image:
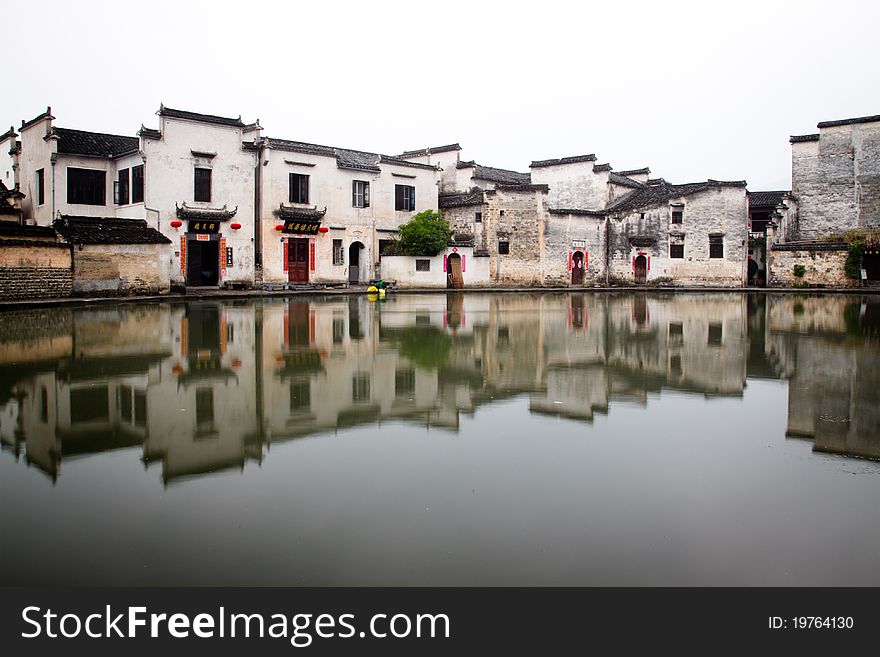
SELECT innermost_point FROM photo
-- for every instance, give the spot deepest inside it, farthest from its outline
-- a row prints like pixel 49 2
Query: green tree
pixel 426 234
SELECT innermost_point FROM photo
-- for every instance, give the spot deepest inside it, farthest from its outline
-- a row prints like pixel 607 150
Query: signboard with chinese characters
pixel 578 244
pixel 203 226
pixel 301 227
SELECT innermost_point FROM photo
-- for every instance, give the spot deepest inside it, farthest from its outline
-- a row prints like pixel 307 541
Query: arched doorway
pixel 354 262
pixel 454 278
pixel 577 268
pixel 641 267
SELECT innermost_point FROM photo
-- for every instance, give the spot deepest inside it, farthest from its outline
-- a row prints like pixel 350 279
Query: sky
pixel 694 90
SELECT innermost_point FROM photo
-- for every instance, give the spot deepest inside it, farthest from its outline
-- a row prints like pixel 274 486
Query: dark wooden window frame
pixel 404 198
pixel 676 250
pixel 41 186
pixel 137 184
pixel 503 247
pixel 86 186
pixel 299 188
pixel 202 184
pixel 360 194
pixel 716 246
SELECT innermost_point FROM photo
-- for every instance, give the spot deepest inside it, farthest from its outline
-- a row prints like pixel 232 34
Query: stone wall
pixel 823 264
pixel 109 269
pixel 836 179
pixel 721 210
pixel 565 234
pixel 517 216
pixel 34 271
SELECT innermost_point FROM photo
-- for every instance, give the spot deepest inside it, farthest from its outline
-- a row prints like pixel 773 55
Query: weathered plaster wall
pixel 169 181
pixel 566 233
pixel 823 264
pixel 36 153
pixel 650 231
pixel 837 180
pixel 120 269
pixel 517 216
pixel 402 269
pixel 573 186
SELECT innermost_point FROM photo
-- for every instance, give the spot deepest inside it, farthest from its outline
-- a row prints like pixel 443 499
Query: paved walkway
pixel 203 293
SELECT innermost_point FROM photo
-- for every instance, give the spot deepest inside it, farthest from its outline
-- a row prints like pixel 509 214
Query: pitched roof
pixel 185 211
pixel 574 159
pixel 6 193
pixel 473 197
pixel 14 229
pixel 149 133
pixel 766 199
pixel 203 118
pixel 431 150
pixel 107 230
pixel 635 172
pixel 620 179
pixel 578 211
pixel 496 175
pixel 861 119
pixel 601 167
pixel 39 117
pixel 660 192
pixel 9 133
pixel 795 139
pixel 346 158
pixel 81 142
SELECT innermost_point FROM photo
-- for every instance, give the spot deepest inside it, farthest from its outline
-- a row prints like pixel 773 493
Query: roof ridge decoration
pixel 394 160
pixel 573 159
pixel 185 211
pixel 578 211
pixel 39 117
pixel 202 118
pixel 149 133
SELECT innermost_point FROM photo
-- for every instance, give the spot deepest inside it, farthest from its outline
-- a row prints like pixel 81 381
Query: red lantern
pixel 323 229
pixel 235 226
pixel 177 223
pixel 279 227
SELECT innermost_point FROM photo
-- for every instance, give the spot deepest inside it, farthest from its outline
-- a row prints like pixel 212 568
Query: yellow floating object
pixel 372 289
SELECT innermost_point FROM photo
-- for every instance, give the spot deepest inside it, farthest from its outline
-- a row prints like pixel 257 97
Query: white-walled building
pixel 326 212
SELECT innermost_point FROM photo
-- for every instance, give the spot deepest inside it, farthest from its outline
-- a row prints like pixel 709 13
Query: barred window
pixel 423 265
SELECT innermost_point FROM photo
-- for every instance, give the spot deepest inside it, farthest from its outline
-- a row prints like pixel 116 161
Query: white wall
pixel 402 269
pixel 573 186
pixel 169 180
pixel 330 187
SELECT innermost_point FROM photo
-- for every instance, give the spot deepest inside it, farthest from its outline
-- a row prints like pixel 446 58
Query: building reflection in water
pixel 206 386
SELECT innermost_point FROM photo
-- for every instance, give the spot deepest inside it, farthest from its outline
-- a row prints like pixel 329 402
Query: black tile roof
pixel 431 150
pixel 620 179
pixel 38 243
pixel 661 192
pixel 185 211
pixel 6 193
pixel 80 142
pixel 766 199
pixel 496 175
pixel 795 139
pixel 304 214
pixel 589 213
pixel 149 133
pixel 574 159
pixel 597 168
pixel 14 229
pixel 473 197
pixel 861 119
pixel 9 133
pixel 203 118
pixel 107 230
pixel 346 158
pixel 396 161
pixel 635 172
pixel 39 117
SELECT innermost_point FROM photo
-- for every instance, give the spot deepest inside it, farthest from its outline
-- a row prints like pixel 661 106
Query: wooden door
pixel 298 261
pixel 641 269
pixel 455 280
pixel 577 268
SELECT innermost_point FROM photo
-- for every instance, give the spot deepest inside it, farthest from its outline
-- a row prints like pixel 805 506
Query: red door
pixel 298 261
pixel 641 267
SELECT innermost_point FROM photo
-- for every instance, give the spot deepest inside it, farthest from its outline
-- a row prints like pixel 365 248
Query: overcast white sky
pixel 692 89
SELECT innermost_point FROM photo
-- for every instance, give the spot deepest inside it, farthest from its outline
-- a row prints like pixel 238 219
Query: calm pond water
pixel 556 439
